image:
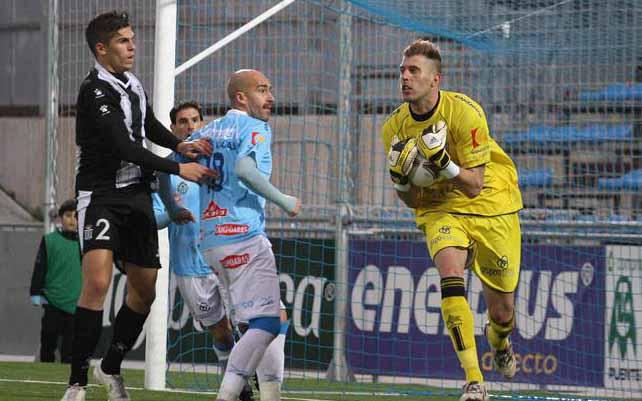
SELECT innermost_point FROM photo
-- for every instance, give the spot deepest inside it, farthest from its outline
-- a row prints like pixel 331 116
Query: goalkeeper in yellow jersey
pixel 469 214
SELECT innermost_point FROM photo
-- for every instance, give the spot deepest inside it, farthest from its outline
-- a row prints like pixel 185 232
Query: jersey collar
pixel 109 77
pixel 237 111
pixel 426 116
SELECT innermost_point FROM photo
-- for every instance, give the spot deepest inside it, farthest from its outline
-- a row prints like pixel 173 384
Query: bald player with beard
pixel 234 241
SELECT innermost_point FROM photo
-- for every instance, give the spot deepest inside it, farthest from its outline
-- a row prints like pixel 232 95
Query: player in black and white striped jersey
pixel 113 186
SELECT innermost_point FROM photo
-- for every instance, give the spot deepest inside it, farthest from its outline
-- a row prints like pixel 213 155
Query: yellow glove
pixel 432 145
pixel 400 159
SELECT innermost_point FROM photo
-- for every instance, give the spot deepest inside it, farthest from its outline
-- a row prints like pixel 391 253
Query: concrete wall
pixel 22 160
pixel 18 318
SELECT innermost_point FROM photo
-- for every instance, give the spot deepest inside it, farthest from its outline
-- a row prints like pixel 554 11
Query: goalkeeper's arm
pixel 470 180
pixel 247 172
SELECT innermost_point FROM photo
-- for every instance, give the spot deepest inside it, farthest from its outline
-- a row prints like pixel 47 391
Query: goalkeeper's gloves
pixel 432 145
pixel 401 156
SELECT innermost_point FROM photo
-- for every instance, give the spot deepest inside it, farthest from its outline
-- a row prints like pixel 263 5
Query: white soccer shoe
pixel 74 393
pixel 474 391
pixel 113 383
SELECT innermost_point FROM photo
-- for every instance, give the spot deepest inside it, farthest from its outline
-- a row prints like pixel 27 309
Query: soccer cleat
pixel 74 392
pixel 246 394
pixel 474 391
pixel 503 360
pixel 113 383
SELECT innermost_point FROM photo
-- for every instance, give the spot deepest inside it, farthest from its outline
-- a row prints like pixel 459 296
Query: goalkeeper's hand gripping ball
pixel 432 146
pixel 401 157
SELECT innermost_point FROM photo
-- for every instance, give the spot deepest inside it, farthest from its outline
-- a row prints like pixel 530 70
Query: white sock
pixel 242 363
pixel 270 391
pixel 270 370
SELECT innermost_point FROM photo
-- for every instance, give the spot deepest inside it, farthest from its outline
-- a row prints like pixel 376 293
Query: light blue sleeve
pixel 256 140
pixel 256 181
pixel 160 212
pixel 165 195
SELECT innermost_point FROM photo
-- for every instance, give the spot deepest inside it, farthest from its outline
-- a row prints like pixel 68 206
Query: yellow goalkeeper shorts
pixel 494 244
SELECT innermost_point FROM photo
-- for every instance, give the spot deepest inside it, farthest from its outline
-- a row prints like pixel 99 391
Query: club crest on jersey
pixel 182 188
pixel 231 229
pixel 88 233
pixel 234 261
pixel 104 110
pixel 213 211
pixel 257 138
pixel 98 93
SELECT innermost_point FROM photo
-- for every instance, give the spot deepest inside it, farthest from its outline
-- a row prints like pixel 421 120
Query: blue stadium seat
pixel 543 134
pixel 588 218
pixel 629 181
pixel 614 92
pixel 536 178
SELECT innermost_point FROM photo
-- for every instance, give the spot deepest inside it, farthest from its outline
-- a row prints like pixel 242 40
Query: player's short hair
pixel 190 104
pixel 67 206
pixel 423 47
pixel 104 26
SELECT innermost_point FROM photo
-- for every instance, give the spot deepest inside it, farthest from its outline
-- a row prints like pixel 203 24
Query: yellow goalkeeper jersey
pixel 469 145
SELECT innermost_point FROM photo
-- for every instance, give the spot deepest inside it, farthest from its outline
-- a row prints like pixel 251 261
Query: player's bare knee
pixel 502 315
pixel 96 286
pixel 141 301
pixel 147 297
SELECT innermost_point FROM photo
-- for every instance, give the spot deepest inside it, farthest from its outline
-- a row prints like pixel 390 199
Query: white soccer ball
pixel 423 173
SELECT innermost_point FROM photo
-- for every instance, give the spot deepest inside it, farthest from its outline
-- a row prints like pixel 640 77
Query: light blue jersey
pixel 185 258
pixel 230 212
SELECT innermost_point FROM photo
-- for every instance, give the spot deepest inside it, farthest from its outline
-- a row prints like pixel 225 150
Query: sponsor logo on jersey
pixel 473 137
pixel 231 229
pixel 214 211
pixel 224 143
pixel 234 261
pixel 257 138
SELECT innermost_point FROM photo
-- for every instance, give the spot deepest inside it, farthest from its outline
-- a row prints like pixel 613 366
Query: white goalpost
pixel 164 56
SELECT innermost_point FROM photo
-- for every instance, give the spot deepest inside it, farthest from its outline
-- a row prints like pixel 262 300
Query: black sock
pixel 127 327
pixel 88 325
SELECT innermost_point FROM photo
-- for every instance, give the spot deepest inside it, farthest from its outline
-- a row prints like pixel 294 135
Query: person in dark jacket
pixel 55 284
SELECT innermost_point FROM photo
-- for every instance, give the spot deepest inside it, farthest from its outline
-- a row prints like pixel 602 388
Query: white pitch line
pixel 27 381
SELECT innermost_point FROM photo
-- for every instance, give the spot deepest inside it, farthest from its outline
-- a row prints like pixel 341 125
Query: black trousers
pixel 56 323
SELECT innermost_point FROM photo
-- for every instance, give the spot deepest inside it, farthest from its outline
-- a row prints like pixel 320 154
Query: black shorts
pixel 126 226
